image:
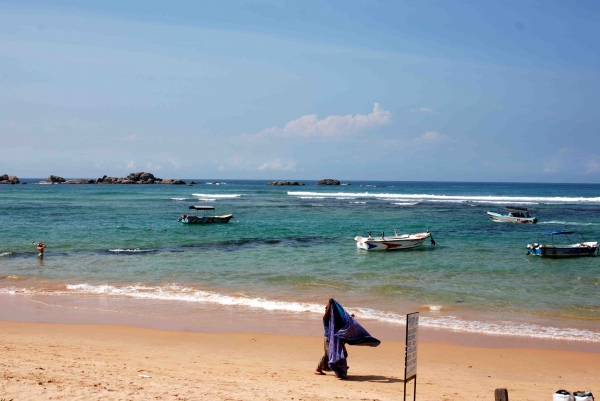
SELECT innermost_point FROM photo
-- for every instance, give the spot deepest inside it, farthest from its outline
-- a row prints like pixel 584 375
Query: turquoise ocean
pixel 290 248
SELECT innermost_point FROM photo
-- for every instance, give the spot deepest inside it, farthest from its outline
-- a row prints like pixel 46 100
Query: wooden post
pixel 501 394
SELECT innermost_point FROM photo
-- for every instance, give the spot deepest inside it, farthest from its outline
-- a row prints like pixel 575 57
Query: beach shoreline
pixel 210 318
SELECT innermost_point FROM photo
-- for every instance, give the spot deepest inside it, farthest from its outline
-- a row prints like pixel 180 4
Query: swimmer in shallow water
pixel 40 248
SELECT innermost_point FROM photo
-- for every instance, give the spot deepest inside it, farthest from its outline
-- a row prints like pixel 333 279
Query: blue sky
pixel 419 90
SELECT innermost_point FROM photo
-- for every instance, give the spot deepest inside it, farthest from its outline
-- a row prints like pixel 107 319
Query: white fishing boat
pixel 584 248
pixel 515 215
pixel 204 219
pixel 395 242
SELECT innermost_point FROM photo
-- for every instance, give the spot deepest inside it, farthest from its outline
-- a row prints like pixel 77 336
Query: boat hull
pixel 509 219
pixel 394 243
pixel 563 251
pixel 206 219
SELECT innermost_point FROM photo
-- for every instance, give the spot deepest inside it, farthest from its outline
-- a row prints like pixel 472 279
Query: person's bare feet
pixel 319 372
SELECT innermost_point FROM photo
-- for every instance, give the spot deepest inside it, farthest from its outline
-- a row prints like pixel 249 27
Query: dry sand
pixel 99 362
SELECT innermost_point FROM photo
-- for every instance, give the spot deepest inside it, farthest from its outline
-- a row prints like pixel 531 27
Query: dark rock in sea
pixel 141 176
pixel 9 179
pixel 191 182
pixel 279 183
pixel 55 178
pixel 328 181
pixel 166 181
pixel 178 182
pixel 81 181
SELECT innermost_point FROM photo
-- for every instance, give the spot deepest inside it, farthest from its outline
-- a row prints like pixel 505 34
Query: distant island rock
pixel 328 181
pixel 55 179
pixel 140 177
pixel 133 178
pixel 279 183
pixel 9 179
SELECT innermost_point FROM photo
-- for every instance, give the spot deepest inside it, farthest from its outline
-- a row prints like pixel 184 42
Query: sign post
pixel 410 359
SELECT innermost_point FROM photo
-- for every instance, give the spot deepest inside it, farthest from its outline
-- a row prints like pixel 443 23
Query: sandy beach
pixel 88 362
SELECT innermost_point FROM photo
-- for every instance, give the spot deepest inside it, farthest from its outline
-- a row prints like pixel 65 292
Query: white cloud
pixel 431 137
pixel 334 125
pixel 152 167
pixel 279 165
pixel 129 164
pixel 593 165
pixel 18 127
pixel 556 162
pixel 129 138
pixel 174 163
pixel 422 110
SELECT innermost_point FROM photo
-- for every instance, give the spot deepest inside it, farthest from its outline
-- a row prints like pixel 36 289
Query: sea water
pixel 290 248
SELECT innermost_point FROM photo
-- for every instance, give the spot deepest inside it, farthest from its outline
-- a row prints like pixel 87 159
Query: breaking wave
pixel 5 254
pixel 217 195
pixel 135 250
pixel 185 294
pixel 493 199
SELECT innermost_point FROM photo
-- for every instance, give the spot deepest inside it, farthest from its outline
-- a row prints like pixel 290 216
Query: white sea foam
pixel 5 253
pixel 494 199
pixel 179 199
pixel 217 195
pixel 359 203
pixel 207 200
pixel 435 308
pixel 135 250
pixel 571 223
pixel 405 203
pixel 186 294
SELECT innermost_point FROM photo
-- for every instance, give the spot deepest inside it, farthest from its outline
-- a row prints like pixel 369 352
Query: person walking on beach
pixel 324 362
pixel 40 248
pixel 340 329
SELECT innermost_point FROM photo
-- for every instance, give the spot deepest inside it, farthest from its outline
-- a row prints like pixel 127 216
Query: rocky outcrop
pixel 279 183
pixel 55 179
pixel 133 178
pixel 328 181
pixel 9 179
pixel 81 181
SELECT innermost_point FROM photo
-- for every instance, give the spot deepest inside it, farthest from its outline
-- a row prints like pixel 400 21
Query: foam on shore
pixel 179 293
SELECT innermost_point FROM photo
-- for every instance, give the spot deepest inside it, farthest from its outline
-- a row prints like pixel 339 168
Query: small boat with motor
pixel 560 251
pixel 515 215
pixel 204 219
pixel 396 242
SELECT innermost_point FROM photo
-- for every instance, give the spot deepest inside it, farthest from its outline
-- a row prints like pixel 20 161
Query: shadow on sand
pixel 374 379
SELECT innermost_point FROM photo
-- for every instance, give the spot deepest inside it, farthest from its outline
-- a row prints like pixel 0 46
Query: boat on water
pixel 395 242
pixel 515 215
pixel 204 219
pixel 560 251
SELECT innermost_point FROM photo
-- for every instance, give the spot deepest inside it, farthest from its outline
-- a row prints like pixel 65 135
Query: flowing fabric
pixel 344 329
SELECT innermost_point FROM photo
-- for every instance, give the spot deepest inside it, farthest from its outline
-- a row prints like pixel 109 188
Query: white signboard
pixel 412 337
